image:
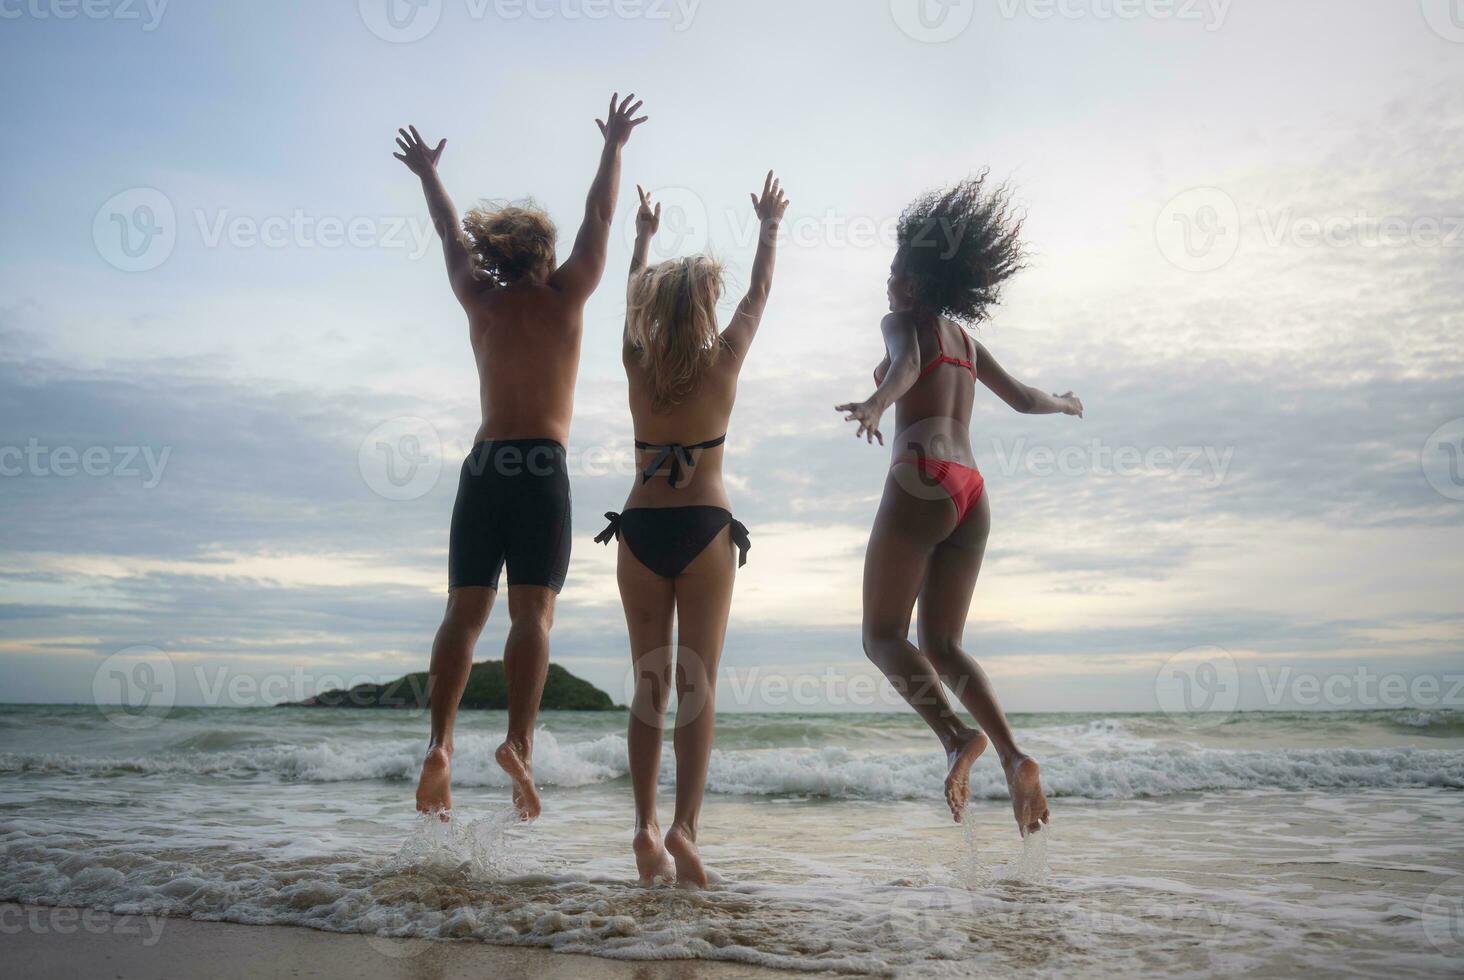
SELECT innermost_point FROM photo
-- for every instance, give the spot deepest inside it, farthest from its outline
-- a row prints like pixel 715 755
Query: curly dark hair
pixel 509 241
pixel 959 246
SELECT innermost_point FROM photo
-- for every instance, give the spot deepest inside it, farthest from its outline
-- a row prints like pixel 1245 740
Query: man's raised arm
pixel 581 272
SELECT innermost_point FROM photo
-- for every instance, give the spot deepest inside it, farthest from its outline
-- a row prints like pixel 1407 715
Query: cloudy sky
pixel 225 334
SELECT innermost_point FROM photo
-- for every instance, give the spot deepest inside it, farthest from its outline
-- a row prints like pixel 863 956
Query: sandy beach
pixel 40 941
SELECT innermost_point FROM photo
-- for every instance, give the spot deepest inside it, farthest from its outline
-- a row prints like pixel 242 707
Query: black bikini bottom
pixel 666 539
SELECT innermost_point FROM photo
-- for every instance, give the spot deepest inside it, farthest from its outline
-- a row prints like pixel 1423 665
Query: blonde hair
pixel 510 241
pixel 671 320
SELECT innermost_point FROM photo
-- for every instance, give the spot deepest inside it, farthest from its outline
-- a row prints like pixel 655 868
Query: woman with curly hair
pixel 680 547
pixel 956 250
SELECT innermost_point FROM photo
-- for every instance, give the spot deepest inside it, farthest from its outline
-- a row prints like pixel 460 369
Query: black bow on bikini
pixel 679 455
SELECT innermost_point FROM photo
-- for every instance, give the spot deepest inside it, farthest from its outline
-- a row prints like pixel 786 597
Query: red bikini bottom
pixel 964 484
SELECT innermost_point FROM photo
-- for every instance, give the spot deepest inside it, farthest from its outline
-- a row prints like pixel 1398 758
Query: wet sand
pixel 39 941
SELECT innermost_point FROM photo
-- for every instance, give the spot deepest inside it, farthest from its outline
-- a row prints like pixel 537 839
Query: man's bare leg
pixel 447 676
pixel 525 665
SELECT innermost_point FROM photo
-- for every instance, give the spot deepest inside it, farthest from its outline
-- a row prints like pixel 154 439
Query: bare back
pixel 702 415
pixel 526 341
pixel 936 411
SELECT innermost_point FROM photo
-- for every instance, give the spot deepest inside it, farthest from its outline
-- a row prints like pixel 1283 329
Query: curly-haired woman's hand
pixel 867 414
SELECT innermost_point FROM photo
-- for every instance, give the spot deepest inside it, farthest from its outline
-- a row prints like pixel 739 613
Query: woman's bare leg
pixel 650 603
pixel 703 603
pixel 945 601
pixel 447 676
pixel 905 534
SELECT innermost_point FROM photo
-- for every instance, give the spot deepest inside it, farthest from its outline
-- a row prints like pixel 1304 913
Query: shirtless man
pixel 525 319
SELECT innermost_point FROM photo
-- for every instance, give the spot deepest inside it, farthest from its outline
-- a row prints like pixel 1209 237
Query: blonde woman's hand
pixel 647 221
pixel 771 206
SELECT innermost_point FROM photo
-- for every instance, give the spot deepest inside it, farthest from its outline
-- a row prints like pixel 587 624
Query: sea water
pixel 1277 844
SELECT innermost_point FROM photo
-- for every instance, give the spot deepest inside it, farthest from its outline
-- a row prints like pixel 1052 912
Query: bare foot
pixel 1024 780
pixel 682 846
pixel 434 788
pixel 958 780
pixel 651 858
pixel 516 763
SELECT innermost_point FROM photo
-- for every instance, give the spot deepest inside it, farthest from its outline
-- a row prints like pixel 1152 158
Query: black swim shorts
pixel 512 505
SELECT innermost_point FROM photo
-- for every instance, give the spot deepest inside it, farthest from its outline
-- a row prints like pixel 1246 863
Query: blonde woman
pixel 680 547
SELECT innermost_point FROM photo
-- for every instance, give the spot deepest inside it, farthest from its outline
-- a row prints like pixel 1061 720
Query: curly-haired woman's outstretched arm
pixel 1022 397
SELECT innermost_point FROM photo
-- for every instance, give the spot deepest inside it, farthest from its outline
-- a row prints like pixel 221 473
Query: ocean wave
pixel 1102 773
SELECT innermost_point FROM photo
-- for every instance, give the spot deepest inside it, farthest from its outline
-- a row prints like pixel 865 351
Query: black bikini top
pixel 678 454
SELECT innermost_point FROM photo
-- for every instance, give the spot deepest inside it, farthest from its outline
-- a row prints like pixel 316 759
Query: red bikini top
pixel 944 358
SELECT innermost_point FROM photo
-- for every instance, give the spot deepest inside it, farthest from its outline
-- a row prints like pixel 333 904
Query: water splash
pixel 1031 866
pixel 484 847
